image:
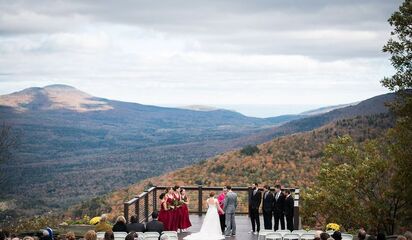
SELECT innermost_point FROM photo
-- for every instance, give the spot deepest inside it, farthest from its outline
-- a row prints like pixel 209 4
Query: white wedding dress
pixel 210 229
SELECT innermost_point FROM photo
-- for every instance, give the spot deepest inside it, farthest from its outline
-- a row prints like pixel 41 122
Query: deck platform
pixel 243 226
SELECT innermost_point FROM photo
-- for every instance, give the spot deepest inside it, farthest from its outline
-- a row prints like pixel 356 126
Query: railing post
pixel 126 211
pixel 249 197
pixel 146 206
pixel 137 209
pixel 155 199
pixel 200 200
pixel 296 209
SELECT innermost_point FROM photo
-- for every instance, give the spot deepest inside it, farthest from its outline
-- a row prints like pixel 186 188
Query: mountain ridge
pixel 64 152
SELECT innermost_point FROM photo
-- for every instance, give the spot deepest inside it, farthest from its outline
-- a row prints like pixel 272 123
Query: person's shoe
pixel 234 234
pixel 250 232
pixel 255 233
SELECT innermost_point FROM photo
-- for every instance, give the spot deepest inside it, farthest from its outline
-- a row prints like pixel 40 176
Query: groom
pixel 229 207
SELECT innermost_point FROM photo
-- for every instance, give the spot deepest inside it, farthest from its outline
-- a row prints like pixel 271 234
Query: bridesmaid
pixel 164 215
pixel 178 208
pixel 185 221
pixel 170 209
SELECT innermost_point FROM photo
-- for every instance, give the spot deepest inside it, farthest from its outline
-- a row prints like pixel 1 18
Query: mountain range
pixel 74 146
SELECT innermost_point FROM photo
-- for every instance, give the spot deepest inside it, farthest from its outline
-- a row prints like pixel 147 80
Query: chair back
pixel 283 232
pixel 151 234
pixel 346 236
pixel 170 234
pixel 100 235
pixel 263 233
pixel 151 238
pixel 300 232
pixel 119 235
pixel 291 236
pixel 273 236
pixel 308 236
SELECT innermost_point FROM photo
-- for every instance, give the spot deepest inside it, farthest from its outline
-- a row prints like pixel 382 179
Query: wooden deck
pixel 243 226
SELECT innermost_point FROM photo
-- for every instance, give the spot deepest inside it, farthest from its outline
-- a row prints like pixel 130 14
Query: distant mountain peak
pixel 60 86
pixel 53 97
pixel 326 109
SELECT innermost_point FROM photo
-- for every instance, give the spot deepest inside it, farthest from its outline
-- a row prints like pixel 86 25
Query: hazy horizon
pixel 250 110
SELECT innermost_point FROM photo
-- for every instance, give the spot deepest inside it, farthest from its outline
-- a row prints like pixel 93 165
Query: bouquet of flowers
pixel 94 220
pixel 332 227
pixel 177 203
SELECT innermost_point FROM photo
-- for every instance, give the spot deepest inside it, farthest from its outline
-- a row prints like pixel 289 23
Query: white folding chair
pixel 300 232
pixel 263 233
pixel 346 236
pixel 312 231
pixel 149 235
pixel 330 232
pixel 164 236
pixel 291 236
pixel 119 235
pixel 307 236
pixel 151 238
pixel 170 234
pixel 283 232
pixel 274 236
pixel 100 235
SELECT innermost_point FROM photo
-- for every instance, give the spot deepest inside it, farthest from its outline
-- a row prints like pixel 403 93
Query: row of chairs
pixel 172 235
pixel 295 234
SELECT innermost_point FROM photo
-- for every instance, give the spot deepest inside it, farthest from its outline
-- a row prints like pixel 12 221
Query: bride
pixel 210 229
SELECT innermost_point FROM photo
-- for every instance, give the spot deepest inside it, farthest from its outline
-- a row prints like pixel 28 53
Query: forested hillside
pixel 292 161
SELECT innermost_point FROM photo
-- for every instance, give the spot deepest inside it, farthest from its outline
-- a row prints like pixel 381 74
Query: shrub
pixel 249 150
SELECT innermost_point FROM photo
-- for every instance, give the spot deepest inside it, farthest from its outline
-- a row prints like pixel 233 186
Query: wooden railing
pixel 143 205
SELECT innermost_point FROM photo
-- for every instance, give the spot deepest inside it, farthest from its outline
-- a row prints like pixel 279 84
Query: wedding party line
pixel 277 207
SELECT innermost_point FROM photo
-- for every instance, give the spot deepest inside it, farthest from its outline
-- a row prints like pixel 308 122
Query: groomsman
pixel 279 208
pixel 289 207
pixel 254 204
pixel 267 207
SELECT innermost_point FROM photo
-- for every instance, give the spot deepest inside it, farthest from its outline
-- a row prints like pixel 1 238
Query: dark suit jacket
pixel 289 206
pixel 254 201
pixel 279 205
pixel 267 205
pixel 119 227
pixel 136 227
pixel 155 226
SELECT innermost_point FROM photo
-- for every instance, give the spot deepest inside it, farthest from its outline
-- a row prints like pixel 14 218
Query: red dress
pixel 185 221
pixel 177 214
pixel 164 215
pixel 171 216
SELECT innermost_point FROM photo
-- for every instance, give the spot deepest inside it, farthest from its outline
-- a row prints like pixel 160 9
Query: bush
pixel 249 150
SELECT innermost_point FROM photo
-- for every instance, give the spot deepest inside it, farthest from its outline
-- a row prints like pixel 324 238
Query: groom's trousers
pixel 230 224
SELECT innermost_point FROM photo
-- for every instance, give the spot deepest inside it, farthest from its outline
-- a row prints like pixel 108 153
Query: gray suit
pixel 229 206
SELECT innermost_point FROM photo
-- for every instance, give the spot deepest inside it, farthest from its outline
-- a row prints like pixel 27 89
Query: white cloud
pixel 251 55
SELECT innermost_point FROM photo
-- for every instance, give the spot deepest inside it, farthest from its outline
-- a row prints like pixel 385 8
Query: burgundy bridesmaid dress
pixel 185 221
pixel 164 216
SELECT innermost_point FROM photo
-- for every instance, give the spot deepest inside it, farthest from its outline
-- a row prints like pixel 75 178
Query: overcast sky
pixel 218 53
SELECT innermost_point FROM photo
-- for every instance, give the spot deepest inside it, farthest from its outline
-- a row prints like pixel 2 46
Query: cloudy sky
pixel 263 57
